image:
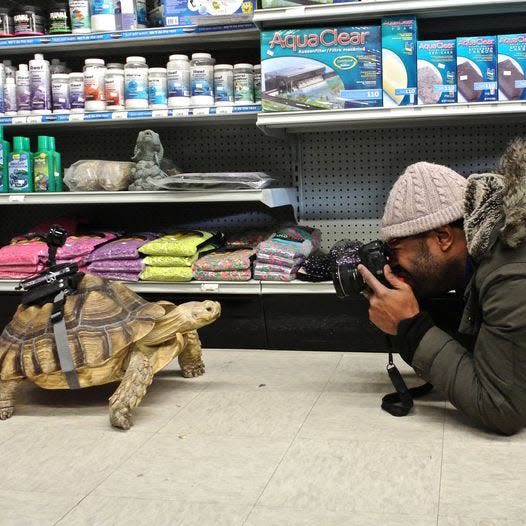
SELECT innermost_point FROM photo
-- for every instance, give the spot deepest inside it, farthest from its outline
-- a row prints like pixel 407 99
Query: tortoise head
pixel 196 314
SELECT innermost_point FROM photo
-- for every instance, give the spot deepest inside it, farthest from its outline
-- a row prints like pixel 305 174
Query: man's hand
pixel 388 307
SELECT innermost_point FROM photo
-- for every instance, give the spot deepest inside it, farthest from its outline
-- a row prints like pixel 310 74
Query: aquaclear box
pixel 207 12
pixel 437 71
pixel 321 68
pixel 399 48
pixel 477 69
pixel 512 67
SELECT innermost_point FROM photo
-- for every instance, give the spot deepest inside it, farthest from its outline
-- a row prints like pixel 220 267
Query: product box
pixel 207 12
pixel 437 71
pixel 270 4
pixel 321 68
pixel 399 48
pixel 477 69
pixel 512 66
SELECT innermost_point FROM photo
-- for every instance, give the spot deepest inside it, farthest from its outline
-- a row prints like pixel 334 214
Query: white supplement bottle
pixel 224 85
pixel 60 93
pixel 202 79
pixel 76 92
pixel 10 101
pixel 79 11
pixel 136 83
pixel 102 15
pixel 23 91
pixel 40 85
pixel 157 89
pixel 9 69
pixel 243 84
pixel 94 73
pixel 178 72
pixel 257 83
pixel 114 89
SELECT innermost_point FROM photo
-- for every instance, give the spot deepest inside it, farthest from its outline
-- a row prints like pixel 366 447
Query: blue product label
pixel 399 55
pixel 102 7
pixel 176 89
pixel 136 86
pixel 437 71
pixel 2 189
pixel 157 91
pixel 186 12
pixel 321 68
pixel 201 87
pixel 19 172
pixel 512 66
pixel 477 69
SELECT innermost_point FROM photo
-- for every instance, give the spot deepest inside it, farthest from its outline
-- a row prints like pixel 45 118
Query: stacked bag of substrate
pixel 119 259
pixel 280 256
pixel 170 258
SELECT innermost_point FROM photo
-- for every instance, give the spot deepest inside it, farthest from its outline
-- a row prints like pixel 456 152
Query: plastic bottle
pixel 224 85
pixel 76 92
pixel 102 15
pixel 23 91
pixel 10 70
pixel 7 26
pixel 4 160
pixel 136 83
pixel 94 73
pixel 126 15
pixel 10 104
pixel 29 20
pixel 202 79
pixel 157 89
pixel 20 166
pixel 57 165
pixel 40 85
pixel 142 14
pixel 178 72
pixel 114 89
pixel 58 22
pixel 243 84
pixel 257 83
pixel 79 13
pixel 2 85
pixel 44 175
pixel 60 93
pixel 57 66
pixel 115 65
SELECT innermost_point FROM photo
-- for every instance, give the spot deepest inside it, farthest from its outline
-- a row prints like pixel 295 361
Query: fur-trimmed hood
pixel 495 204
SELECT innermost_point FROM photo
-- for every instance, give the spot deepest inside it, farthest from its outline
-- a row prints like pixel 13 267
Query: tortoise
pixel 113 334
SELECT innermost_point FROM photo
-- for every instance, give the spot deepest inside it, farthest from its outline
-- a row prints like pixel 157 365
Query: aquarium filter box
pixel 207 12
pixel 321 68
pixel 512 67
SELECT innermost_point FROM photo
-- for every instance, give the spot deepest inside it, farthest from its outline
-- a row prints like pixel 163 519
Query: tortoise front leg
pixel 190 359
pixel 7 397
pixel 137 378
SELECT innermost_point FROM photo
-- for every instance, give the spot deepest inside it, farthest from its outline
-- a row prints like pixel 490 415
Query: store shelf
pixel 214 287
pixel 367 9
pixel 173 37
pixel 271 197
pixel 323 120
pixel 122 119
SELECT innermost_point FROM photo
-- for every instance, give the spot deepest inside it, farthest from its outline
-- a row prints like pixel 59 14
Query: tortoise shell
pixel 102 319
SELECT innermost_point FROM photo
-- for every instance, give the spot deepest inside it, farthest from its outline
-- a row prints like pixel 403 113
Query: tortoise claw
pixel 6 412
pixel 191 371
pixel 121 418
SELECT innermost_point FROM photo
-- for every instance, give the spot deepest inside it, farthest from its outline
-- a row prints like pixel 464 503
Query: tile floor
pixel 264 438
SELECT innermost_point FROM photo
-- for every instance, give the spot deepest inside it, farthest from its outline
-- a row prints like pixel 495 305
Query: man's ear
pixel 445 237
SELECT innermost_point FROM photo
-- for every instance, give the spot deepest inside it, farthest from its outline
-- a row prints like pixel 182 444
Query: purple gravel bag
pixel 123 248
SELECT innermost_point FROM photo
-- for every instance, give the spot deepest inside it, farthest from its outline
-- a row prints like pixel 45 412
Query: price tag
pixel 201 111
pixel 159 114
pixel 76 117
pixel 34 119
pixel 181 112
pixel 17 198
pixel 209 287
pixel 19 120
pixel 224 110
pixel 119 115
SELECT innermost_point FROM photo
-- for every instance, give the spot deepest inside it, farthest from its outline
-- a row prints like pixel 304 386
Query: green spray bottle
pixel 57 165
pixel 4 159
pixel 43 166
pixel 20 166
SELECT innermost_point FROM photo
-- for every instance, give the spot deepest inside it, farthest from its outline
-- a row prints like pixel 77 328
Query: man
pixel 433 254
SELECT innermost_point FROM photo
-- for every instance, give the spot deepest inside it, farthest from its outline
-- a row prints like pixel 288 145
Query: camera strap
pixel 401 402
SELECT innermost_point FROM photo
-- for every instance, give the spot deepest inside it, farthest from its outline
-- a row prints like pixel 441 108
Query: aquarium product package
pixel 207 12
pixel 321 68
pixel 399 52
pixel 270 4
pixel 512 66
pixel 477 69
pixel 437 71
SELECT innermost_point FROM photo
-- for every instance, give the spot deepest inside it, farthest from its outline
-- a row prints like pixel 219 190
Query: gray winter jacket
pixel 489 383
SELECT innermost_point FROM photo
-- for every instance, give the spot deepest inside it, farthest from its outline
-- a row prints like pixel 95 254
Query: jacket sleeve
pixel 489 384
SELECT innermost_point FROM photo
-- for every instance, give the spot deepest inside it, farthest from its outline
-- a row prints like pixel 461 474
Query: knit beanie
pixel 424 197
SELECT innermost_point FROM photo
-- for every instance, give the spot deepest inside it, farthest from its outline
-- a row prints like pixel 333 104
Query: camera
pixel 345 276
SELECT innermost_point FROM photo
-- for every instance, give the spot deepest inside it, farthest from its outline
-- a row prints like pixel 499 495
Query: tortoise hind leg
pixel 7 397
pixel 138 376
pixel 190 358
